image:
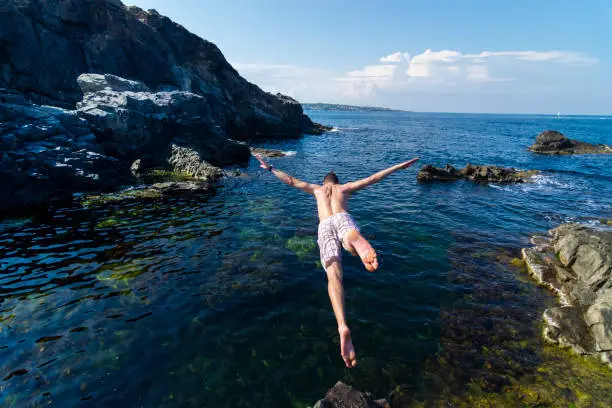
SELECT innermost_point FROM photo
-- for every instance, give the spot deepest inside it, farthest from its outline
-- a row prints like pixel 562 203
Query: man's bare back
pixel 338 229
pixel 331 199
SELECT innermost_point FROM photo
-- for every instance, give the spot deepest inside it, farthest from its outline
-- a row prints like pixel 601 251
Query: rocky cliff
pixel 46 44
pixel 91 89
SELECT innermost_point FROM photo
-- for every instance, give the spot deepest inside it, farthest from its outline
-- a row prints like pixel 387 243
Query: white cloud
pixel 563 57
pixel 395 57
pixel 373 71
pixel 430 72
pixel 477 73
pixel 430 56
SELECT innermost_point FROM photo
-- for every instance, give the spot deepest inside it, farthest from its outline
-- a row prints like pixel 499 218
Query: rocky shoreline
pixel 575 261
pixel 74 119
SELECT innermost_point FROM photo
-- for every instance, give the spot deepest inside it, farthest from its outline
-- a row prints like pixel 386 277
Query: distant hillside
pixel 336 107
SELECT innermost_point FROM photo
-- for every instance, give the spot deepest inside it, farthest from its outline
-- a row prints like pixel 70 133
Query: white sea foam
pixel 539 182
pixel 344 129
pixel 290 153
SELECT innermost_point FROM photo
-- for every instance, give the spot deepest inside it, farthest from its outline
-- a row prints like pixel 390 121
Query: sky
pixel 520 56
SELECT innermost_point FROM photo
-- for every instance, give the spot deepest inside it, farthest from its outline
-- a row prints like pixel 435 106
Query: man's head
pixel 331 178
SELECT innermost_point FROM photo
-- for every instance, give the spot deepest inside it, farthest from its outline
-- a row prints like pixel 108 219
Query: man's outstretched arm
pixel 286 178
pixel 375 178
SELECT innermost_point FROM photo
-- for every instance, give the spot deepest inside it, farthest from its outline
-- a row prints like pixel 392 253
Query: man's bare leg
pixel 356 244
pixel 336 295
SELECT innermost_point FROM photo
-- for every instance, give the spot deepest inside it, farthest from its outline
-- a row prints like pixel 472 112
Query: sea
pixel 220 300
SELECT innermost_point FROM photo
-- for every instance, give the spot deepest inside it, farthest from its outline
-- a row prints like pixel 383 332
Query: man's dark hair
pixel 331 178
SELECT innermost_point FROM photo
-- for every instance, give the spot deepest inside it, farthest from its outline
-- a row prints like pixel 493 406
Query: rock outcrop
pixel 344 396
pixel 554 142
pixel 576 263
pixel 46 45
pixel 133 123
pixel 270 153
pixel 49 153
pixel 475 173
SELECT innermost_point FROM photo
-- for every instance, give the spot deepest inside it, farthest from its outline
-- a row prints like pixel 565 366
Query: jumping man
pixel 337 228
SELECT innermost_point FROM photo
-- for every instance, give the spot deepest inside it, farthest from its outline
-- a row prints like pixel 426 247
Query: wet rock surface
pixel 344 396
pixel 554 142
pixel 577 264
pixel 483 173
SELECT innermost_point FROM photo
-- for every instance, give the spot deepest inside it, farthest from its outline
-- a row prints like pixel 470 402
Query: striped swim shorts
pixel 332 231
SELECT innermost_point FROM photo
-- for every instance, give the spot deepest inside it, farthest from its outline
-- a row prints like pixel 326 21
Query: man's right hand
pixel 409 163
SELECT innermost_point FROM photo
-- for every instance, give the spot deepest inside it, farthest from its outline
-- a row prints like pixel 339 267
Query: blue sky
pixel 535 56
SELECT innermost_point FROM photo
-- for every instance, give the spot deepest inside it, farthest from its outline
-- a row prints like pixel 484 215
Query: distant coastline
pixel 338 107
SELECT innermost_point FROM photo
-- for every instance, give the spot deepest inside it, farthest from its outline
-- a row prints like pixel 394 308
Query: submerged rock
pixel 344 396
pixel 554 142
pixel 577 265
pixel 474 173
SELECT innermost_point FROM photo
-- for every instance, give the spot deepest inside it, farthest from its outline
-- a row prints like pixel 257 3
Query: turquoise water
pixel 219 301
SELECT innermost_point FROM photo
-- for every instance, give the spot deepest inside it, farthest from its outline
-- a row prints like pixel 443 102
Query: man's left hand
pixel 262 164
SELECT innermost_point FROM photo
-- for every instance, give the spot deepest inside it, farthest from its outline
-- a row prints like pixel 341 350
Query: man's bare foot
pixel 359 246
pixel 347 350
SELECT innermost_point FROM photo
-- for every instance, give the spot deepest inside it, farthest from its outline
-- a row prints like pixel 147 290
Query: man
pixel 337 228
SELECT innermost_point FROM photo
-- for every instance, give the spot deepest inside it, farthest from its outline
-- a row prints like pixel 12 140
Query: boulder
pixel 344 396
pixel 577 265
pixel 554 142
pixel 474 173
pixel 46 45
pixel 189 162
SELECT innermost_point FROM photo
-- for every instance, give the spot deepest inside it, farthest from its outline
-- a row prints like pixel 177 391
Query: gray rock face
pixel 142 124
pixel 94 82
pixel 474 173
pixel 577 265
pixel 344 396
pixel 48 153
pixel 46 45
pixel 554 142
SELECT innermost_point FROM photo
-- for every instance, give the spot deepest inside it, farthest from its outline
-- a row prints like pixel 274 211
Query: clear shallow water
pixel 220 302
